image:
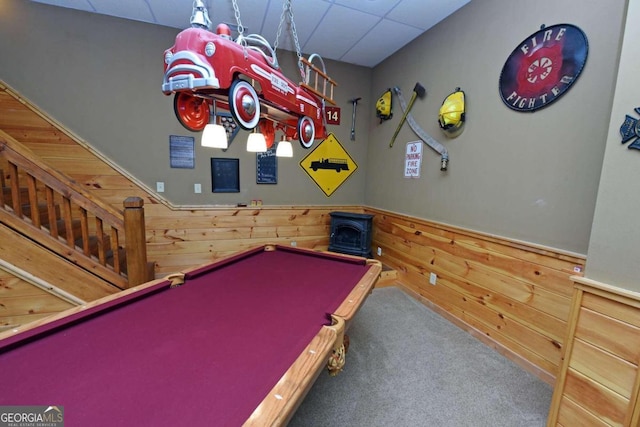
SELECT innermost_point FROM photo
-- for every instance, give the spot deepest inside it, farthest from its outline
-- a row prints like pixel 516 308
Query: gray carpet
pixel 408 366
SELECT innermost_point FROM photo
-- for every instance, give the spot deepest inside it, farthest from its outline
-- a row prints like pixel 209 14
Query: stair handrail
pixel 24 158
pixel 29 162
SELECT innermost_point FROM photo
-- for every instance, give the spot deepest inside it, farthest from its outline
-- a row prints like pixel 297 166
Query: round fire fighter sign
pixel 543 67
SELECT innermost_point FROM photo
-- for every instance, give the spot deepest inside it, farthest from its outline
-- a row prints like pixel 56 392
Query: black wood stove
pixel 351 233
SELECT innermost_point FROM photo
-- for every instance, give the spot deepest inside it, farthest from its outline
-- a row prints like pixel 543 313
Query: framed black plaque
pixel 181 152
pixel 225 175
pixel 267 167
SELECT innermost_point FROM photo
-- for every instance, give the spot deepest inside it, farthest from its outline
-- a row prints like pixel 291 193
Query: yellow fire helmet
pixel 383 106
pixel 452 114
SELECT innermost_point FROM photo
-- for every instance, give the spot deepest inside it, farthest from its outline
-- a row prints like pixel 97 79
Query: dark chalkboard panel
pixel 225 175
pixel 267 167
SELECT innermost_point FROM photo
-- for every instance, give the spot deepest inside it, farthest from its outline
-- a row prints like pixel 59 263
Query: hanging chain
pixel 286 7
pixel 282 18
pixel 295 40
pixel 236 11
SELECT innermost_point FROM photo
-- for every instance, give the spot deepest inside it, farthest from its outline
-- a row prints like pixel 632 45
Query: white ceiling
pixel 361 32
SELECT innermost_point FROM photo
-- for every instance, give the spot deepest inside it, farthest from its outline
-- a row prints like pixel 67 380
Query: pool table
pixel 239 341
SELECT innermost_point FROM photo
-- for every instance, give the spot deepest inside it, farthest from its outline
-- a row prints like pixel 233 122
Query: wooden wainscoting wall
pixel 513 296
pixel 24 302
pixel 599 381
pixel 180 238
pixel 26 255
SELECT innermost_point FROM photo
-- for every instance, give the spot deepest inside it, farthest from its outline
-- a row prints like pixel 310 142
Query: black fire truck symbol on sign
pixel 335 164
pixel 630 129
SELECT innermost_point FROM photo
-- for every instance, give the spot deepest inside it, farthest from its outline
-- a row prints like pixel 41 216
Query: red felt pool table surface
pixel 240 342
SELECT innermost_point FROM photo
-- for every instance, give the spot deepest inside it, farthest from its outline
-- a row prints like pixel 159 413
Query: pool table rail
pixel 279 405
pixel 348 309
pixel 277 408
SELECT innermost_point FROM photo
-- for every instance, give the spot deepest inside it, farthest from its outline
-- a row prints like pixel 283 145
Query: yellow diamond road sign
pixel 329 165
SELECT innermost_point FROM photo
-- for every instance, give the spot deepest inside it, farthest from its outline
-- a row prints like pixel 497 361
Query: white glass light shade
pixel 284 149
pixel 214 136
pixel 256 143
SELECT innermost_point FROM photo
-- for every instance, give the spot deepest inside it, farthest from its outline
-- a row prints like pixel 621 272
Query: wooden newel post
pixel 136 242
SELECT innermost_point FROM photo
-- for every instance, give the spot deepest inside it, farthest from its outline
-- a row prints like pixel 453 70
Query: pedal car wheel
pixel 244 104
pixel 192 112
pixel 306 131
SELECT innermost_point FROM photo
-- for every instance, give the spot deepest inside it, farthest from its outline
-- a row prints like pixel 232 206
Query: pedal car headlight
pixel 167 57
pixel 210 49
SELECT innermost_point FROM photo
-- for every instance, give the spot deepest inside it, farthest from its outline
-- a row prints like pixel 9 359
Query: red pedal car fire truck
pixel 211 70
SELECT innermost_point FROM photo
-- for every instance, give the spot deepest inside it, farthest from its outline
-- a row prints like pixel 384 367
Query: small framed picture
pixel 181 152
pixel 225 175
pixel 267 167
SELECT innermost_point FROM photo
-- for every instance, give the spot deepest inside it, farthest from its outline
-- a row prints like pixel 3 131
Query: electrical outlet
pixel 197 188
pixel 294 243
pixel 160 187
pixel 379 251
pixel 432 278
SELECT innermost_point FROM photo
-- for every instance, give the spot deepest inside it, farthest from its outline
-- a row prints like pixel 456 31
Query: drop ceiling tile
pixel 375 7
pixel 174 13
pixel 340 29
pixel 137 10
pixel 424 14
pixel 373 49
pixel 72 4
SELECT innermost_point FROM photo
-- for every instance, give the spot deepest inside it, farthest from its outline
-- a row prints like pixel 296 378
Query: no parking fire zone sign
pixel 413 159
pixel 329 165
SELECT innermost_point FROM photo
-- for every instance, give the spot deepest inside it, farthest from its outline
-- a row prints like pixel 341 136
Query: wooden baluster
pixel 68 221
pixel 33 201
pixel 115 251
pixel 136 246
pixel 3 198
pixel 102 257
pixel 15 189
pixel 51 211
pixel 84 226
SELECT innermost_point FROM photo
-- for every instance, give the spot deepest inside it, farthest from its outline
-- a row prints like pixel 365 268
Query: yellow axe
pixel 418 91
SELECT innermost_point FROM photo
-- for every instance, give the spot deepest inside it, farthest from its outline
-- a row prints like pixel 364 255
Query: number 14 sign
pixel 333 115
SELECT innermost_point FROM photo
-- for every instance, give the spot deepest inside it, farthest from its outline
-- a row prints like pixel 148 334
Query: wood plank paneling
pixel 21 302
pixel 596 399
pixel 600 376
pixel 517 296
pixel 609 334
pixel 604 367
pixel 573 414
pixel 28 256
pixel 612 308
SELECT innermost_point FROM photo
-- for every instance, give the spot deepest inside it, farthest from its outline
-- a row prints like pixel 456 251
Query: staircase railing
pixel 60 215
